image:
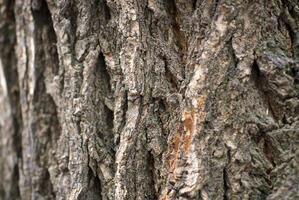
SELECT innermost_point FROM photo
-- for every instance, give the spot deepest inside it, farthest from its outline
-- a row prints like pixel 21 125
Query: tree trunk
pixel 149 99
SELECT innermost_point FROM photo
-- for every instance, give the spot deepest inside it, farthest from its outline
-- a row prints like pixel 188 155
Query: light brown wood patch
pixel 174 152
pixel 165 197
pixel 189 124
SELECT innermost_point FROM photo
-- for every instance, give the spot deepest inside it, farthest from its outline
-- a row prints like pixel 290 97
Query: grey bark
pixel 149 99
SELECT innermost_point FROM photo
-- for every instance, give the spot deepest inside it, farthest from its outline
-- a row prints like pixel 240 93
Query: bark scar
pixel 189 120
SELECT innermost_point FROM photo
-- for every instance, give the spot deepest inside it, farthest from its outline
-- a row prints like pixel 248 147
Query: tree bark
pixel 149 99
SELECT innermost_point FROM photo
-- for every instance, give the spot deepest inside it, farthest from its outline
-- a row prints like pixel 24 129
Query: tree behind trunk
pixel 149 99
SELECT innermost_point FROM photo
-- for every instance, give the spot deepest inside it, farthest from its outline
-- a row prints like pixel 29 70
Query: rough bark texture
pixel 149 99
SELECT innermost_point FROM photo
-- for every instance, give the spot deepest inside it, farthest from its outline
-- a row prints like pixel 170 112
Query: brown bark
pixel 149 99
